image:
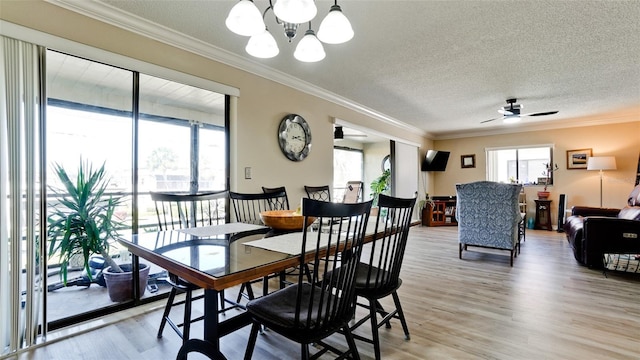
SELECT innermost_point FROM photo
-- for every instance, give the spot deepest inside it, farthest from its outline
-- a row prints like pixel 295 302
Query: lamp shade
pixel 295 11
pixel 601 163
pixel 245 19
pixel 335 28
pixel 309 48
pixel 262 45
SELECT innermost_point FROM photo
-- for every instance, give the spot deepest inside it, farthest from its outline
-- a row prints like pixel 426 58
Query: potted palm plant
pixel 83 223
pixel 380 185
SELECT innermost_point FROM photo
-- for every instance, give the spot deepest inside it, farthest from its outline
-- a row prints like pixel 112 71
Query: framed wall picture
pixel 577 159
pixel 468 161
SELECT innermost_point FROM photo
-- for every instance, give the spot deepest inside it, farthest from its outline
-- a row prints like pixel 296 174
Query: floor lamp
pixel 601 163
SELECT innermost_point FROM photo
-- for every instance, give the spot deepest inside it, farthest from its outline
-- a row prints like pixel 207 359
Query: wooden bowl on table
pixel 284 220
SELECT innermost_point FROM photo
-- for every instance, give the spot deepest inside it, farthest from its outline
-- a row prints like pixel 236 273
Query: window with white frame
pixel 524 165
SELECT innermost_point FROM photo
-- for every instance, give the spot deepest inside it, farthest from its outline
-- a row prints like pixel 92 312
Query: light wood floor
pixel 544 307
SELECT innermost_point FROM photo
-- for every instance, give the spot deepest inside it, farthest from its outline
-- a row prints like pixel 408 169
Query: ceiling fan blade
pixel 498 118
pixel 541 113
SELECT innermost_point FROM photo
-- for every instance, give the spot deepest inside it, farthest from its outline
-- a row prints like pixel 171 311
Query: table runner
pixel 222 229
pixel 291 243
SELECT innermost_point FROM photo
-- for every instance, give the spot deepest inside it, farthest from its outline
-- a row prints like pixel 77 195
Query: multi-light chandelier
pixel 245 19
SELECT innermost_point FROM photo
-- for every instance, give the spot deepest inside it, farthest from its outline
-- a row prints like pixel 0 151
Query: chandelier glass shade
pixel 309 48
pixel 262 45
pixel 295 11
pixel 335 28
pixel 245 19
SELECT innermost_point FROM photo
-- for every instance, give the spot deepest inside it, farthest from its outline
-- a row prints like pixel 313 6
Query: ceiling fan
pixel 511 112
pixel 338 133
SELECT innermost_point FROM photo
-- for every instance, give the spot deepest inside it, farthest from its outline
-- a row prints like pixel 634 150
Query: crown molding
pixel 138 25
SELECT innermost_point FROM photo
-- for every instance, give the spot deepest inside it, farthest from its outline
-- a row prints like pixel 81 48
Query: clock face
pixel 294 137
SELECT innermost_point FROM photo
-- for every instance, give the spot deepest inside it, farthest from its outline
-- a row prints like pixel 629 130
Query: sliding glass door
pixel 151 134
pixel 88 120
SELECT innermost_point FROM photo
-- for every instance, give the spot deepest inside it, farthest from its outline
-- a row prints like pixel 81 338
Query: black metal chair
pixel 378 275
pixel 281 202
pixel 309 311
pixel 247 208
pixel 353 192
pixel 200 347
pixel 322 193
pixel 179 211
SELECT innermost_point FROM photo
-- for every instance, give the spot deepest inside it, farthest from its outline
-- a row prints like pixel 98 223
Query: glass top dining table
pixel 218 257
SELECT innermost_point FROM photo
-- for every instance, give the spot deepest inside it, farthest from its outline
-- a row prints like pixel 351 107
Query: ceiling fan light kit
pixel 245 19
pixel 511 113
pixel 511 119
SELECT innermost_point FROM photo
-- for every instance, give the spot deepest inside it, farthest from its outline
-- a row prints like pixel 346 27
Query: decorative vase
pixel 543 195
pixel 120 285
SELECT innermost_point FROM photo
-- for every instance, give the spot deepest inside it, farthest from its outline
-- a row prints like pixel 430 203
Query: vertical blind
pixel 20 254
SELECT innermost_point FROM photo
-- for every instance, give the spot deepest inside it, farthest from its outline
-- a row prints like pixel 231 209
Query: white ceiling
pixel 438 66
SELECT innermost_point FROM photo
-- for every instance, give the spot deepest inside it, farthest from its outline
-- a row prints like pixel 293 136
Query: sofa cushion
pixel 630 213
pixel 594 211
pixel 573 227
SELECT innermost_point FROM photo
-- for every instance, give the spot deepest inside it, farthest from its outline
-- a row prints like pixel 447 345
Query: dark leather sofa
pixel 593 232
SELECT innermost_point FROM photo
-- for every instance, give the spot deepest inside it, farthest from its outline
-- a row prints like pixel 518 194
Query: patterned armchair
pixel 488 216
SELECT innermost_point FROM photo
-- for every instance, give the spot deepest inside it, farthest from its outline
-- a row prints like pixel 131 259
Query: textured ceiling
pixel 443 66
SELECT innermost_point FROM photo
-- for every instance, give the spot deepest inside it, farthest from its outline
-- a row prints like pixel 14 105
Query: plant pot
pixel 120 285
pixel 374 211
pixel 543 195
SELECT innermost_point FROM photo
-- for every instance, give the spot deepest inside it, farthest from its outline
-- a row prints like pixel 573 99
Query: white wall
pixel 582 187
pixel 374 153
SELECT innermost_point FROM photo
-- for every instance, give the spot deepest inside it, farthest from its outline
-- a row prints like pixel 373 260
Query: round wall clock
pixel 386 163
pixel 294 137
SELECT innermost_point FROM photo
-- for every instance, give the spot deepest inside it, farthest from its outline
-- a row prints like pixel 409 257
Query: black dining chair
pixel 322 193
pixel 200 347
pixel 247 208
pixel 280 202
pixel 378 275
pixel 179 211
pixel 309 311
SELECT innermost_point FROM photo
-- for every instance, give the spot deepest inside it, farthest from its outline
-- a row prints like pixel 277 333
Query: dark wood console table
pixel 442 213
pixel 543 215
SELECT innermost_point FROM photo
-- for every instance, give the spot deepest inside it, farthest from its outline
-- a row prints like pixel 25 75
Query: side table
pixel 543 215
